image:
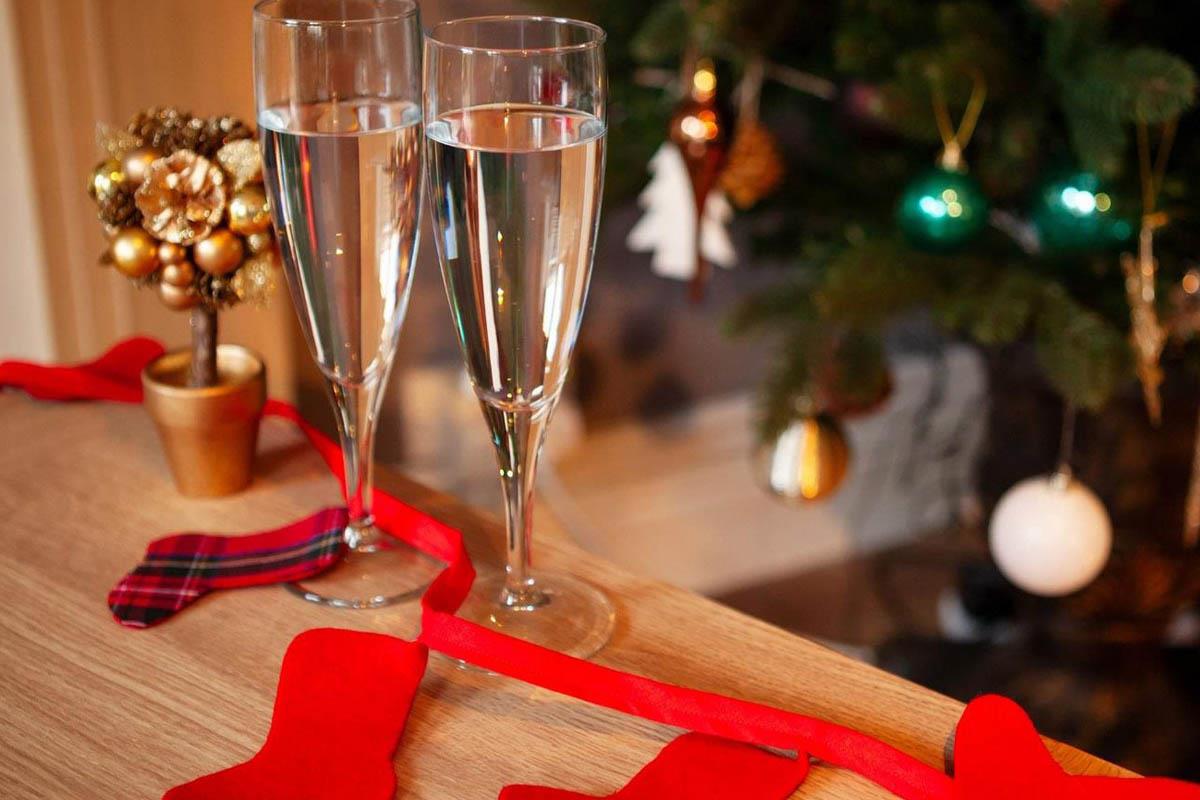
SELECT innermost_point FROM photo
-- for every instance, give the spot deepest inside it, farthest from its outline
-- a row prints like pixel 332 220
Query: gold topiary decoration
pixel 163 193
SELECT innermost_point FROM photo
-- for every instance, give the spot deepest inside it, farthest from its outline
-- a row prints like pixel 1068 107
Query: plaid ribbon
pixel 178 570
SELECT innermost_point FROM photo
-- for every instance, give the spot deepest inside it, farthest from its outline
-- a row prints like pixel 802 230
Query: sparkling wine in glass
pixel 515 134
pixel 339 120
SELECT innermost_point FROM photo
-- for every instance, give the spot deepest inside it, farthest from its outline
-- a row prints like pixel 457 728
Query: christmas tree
pixel 989 161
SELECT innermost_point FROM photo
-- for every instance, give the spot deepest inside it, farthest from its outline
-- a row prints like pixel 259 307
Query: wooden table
pixel 92 710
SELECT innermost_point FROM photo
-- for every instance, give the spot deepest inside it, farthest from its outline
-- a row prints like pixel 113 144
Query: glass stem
pixel 517 452
pixel 357 410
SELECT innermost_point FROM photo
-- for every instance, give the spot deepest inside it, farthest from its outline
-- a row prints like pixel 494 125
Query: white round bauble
pixel 1050 535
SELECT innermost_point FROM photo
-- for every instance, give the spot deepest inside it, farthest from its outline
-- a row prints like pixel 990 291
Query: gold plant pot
pixel 209 433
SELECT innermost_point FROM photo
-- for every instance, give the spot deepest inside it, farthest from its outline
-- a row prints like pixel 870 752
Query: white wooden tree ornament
pixel 668 225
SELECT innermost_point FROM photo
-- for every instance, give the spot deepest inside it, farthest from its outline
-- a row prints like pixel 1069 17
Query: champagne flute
pixel 338 96
pixel 515 132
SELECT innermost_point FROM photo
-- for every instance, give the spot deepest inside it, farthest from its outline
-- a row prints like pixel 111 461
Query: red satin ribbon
pixel 114 377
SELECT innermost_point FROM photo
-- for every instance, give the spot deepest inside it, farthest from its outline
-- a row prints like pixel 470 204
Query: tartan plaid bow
pixel 178 570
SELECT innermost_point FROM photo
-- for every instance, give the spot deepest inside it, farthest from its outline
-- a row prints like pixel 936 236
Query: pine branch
pixel 1084 356
pixel 1143 85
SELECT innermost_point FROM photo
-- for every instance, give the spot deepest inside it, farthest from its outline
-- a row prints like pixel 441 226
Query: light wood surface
pixel 92 710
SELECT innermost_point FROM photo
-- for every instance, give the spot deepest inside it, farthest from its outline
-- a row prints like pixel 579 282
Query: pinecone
pixel 216 292
pixel 218 132
pixel 186 136
pixel 118 208
pixel 160 127
pixel 147 281
pixel 754 166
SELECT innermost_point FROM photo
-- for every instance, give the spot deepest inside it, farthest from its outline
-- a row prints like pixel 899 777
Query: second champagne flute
pixel 515 133
pixel 338 94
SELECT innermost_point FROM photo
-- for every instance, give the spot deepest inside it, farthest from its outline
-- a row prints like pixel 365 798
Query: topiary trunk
pixel 203 371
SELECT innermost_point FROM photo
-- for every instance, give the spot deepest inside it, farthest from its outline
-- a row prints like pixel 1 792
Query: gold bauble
pixel 248 211
pixel 260 242
pixel 179 274
pixel 136 164
pixel 218 253
pixel 105 180
pixel 169 253
pixel 177 298
pixel 134 252
pixel 807 461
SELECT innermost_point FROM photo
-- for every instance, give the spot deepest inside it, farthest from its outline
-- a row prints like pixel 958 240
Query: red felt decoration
pixel 998 755
pixel 698 767
pixel 342 702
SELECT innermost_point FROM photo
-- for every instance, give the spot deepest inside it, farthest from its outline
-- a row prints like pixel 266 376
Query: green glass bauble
pixel 1072 212
pixel 942 210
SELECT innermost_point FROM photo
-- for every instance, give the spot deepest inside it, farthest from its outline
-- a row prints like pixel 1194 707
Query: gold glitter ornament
pixel 260 242
pixel 182 198
pixel 136 164
pixel 243 161
pixel 248 211
pixel 218 253
pixel 1147 335
pixel 255 281
pixel 134 253
pixel 177 298
pixel 116 142
pixel 179 274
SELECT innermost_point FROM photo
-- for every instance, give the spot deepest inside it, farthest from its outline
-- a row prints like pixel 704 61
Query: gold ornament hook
pixel 955 140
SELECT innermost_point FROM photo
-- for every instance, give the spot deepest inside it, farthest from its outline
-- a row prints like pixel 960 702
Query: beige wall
pixel 25 329
pixel 86 61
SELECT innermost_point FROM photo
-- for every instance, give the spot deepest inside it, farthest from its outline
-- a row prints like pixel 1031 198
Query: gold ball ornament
pixel 260 242
pixel 134 252
pixel 219 252
pixel 105 180
pixel 136 164
pixel 807 461
pixel 249 212
pixel 169 253
pixel 179 274
pixel 177 298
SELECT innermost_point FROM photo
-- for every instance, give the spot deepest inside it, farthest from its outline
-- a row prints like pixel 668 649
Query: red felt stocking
pixel 341 706
pixel 698 767
pixel 998 755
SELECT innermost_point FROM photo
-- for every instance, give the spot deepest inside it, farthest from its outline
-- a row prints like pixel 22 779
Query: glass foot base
pixel 372 575
pixel 573 617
